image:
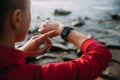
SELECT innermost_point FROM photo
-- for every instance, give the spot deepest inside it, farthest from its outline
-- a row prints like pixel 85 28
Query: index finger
pixel 45 36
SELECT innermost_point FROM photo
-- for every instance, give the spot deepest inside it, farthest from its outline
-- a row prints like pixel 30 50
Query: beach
pixel 99 19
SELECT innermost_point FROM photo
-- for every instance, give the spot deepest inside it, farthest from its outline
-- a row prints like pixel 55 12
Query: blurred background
pixel 99 19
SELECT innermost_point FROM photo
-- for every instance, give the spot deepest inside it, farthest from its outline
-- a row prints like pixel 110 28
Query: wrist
pixel 61 27
pixel 76 38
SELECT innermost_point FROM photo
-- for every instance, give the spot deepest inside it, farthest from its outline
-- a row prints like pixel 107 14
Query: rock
pixel 78 22
pixel 115 17
pixel 48 18
pixel 115 55
pixel 47 61
pixel 114 32
pixel 71 47
pixel 38 17
pixel 33 31
pixel 87 18
pixel 68 57
pixel 30 59
pixel 107 77
pixel 115 61
pixel 100 21
pixel 79 53
pixel 61 12
pixel 47 55
pixel 58 47
pixel 114 70
pixel 111 46
pixel 41 57
pixel 29 32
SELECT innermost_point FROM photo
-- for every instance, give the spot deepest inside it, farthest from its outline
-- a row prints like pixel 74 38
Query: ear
pixel 16 18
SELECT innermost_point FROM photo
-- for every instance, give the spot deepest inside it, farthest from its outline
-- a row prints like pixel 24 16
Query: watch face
pixel 65 32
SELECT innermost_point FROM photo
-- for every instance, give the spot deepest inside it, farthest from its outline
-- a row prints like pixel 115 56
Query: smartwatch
pixel 66 30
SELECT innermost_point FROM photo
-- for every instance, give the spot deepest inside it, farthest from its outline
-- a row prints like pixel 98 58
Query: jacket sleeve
pixel 94 60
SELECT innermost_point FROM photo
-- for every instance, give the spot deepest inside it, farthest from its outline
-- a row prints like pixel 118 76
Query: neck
pixel 7 41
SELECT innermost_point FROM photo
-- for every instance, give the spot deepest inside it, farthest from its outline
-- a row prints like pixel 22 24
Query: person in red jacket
pixel 14 24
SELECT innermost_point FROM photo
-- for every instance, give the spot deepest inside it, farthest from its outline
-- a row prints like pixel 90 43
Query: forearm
pixel 76 38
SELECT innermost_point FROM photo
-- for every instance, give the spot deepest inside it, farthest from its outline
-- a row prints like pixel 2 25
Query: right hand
pixel 51 25
pixel 32 48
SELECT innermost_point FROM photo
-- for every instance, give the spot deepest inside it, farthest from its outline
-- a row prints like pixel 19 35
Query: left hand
pixel 51 25
pixel 32 47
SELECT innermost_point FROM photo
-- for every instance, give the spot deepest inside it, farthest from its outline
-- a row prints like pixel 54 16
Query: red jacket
pixel 94 60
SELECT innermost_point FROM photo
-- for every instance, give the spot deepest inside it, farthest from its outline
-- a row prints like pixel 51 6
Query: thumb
pixel 48 45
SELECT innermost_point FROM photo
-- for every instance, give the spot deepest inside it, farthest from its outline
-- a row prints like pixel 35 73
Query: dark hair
pixel 6 9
